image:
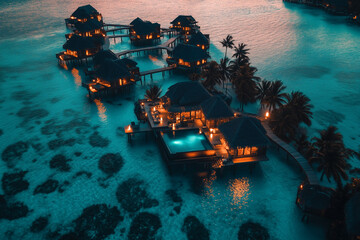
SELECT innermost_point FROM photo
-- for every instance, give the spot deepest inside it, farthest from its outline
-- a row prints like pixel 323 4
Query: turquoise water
pixel 185 141
pixel 307 49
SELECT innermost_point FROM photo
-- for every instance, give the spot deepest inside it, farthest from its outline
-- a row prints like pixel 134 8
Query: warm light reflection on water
pixel 207 182
pixel 101 110
pixel 76 76
pixel 240 191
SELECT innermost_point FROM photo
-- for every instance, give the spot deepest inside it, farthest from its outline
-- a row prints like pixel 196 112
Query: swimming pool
pixel 182 141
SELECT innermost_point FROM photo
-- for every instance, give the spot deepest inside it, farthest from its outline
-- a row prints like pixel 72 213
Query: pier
pixel 170 42
pixel 153 71
pixel 291 151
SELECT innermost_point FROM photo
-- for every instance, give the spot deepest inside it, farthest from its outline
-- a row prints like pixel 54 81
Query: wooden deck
pixel 305 166
pixel 116 25
pixel 118 36
pixel 158 47
pixel 164 69
pixel 116 29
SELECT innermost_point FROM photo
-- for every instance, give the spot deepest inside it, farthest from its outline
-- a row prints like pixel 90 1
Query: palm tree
pixel 224 70
pixel 153 93
pixel 194 76
pixel 227 42
pixel 284 123
pixel 241 53
pixel 304 146
pixel 331 154
pixel 274 96
pixel 244 72
pixel 244 82
pixel 211 75
pixel 262 89
pixel 300 106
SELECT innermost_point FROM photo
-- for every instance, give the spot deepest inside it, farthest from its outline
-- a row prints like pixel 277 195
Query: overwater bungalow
pixel 352 216
pixel 187 57
pixel 200 40
pixel 215 112
pixel 144 31
pixel 83 14
pixel 193 126
pixel 314 199
pixel 245 139
pixel 78 48
pixel 112 76
pixel 90 28
pixel 185 24
pixel 101 56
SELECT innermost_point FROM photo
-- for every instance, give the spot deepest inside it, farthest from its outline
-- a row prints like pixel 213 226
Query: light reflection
pixel 154 59
pixel 207 182
pixel 101 110
pixel 240 191
pixel 77 77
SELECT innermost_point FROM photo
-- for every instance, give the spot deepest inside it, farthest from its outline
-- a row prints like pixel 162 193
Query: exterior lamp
pixel 267 115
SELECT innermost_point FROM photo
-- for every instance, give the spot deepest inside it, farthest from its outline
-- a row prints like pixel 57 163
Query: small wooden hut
pixel 78 47
pixel 144 31
pixel 244 137
pixel 83 14
pixel 187 57
pixel 110 76
pixel 200 40
pixel 216 111
pixel 90 28
pixel 183 100
pixel 185 24
pixel 314 199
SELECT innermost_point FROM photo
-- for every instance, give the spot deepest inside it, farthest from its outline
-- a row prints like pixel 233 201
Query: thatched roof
pixel 352 215
pixel 244 132
pixel 100 57
pixel 186 95
pixel 216 108
pixel 78 43
pixel 112 70
pixel 89 25
pixel 198 38
pixel 84 12
pixel 185 20
pixel 144 27
pixel 315 199
pixel 128 62
pixel 189 53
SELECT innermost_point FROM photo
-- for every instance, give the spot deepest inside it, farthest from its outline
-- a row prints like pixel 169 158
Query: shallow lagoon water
pixel 307 49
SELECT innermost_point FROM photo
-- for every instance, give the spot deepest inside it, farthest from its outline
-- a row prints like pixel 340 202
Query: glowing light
pixel 211 135
pixel 129 128
pixel 161 120
pixel 301 187
pixel 200 131
pixel 142 104
pixel 173 126
pixel 154 109
pixel 267 114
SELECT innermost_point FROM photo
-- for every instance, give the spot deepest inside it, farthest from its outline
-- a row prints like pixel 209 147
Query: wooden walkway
pixel 158 47
pixel 116 29
pixel 305 166
pixel 119 36
pixel 116 25
pixel 164 69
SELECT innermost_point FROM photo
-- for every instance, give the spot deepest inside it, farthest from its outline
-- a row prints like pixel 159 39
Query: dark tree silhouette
pixel 227 42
